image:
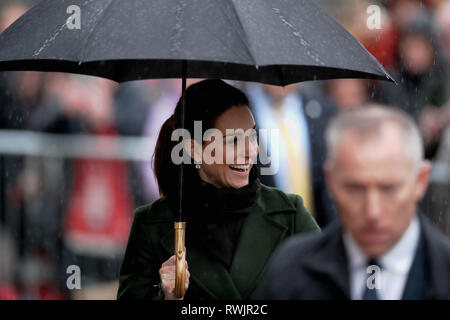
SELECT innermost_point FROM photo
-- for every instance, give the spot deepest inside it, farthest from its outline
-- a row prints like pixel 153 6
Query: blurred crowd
pixel 61 212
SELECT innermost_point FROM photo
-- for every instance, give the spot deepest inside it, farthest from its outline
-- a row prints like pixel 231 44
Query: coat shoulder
pixel 157 211
pixel 287 263
pixel 303 244
pixel 273 199
pixel 438 242
pixel 435 234
pixel 288 209
pixel 301 247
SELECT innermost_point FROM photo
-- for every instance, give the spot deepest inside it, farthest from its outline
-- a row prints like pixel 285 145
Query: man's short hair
pixel 368 122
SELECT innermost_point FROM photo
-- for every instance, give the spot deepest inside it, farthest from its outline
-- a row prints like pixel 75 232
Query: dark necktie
pixel 368 293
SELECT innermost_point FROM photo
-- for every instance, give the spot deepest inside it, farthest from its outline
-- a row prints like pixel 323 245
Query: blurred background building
pixel 76 151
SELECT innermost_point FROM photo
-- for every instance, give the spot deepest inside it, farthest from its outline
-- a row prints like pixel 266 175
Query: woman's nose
pixel 252 149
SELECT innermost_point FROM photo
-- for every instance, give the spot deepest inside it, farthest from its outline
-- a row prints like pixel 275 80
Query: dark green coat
pixel 275 217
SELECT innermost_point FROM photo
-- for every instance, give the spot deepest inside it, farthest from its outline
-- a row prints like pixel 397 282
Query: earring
pixel 197 166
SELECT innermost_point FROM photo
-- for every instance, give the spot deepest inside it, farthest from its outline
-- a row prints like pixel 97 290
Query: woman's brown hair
pixel 205 101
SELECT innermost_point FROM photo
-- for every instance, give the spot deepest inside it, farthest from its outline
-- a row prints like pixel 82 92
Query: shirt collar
pixel 398 259
pixel 356 257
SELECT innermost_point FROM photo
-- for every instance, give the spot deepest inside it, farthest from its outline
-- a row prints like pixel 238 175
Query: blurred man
pixel 348 93
pixel 297 155
pixel 10 13
pixel 381 248
pixel 419 72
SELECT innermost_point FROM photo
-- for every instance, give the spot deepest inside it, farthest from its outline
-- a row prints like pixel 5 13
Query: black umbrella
pixel 269 41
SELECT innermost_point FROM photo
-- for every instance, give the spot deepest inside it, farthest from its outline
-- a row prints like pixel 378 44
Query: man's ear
pixel 422 180
pixel 193 149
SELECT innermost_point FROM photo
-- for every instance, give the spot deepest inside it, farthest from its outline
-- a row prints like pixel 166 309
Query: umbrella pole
pixel 183 125
pixel 180 251
pixel 180 254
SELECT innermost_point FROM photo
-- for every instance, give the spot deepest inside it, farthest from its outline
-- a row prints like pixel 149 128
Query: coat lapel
pixel 208 274
pixel 260 235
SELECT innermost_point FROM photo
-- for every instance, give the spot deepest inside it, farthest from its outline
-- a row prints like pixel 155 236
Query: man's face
pixel 376 187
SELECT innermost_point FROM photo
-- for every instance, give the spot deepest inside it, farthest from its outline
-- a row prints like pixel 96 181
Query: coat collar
pixel 330 262
pixel 260 235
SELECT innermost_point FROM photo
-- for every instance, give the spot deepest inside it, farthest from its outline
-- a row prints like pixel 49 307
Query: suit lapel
pixel 330 262
pixel 416 282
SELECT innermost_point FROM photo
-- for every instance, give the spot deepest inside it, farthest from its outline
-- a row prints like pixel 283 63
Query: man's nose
pixel 373 205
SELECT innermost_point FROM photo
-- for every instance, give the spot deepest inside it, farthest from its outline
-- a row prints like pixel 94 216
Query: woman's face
pixel 417 54
pixel 239 150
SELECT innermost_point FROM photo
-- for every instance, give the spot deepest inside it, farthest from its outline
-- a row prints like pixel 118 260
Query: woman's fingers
pixel 167 274
pixel 168 269
pixel 170 261
pixel 170 272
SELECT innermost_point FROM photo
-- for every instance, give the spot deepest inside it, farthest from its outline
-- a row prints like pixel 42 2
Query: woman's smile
pixel 241 168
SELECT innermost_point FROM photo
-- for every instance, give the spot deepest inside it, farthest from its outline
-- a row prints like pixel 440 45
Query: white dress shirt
pixel 395 264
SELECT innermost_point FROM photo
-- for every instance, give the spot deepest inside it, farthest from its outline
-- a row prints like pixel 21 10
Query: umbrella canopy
pixel 272 41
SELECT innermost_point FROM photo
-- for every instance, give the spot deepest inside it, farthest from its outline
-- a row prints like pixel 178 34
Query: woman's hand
pixel 167 275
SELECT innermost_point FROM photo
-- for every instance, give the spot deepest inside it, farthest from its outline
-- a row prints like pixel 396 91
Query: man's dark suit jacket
pixel 314 266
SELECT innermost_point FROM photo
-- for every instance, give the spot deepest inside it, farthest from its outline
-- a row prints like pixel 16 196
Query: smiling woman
pixel 234 222
pixel 232 167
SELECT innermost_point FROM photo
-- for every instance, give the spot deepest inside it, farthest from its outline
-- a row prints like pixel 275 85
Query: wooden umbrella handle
pixel 180 254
